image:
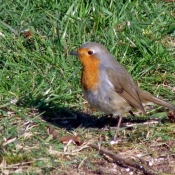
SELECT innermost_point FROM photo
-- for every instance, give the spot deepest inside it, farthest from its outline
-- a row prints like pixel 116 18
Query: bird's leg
pixel 117 129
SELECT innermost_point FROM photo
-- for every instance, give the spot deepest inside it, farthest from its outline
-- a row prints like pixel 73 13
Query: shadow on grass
pixel 71 119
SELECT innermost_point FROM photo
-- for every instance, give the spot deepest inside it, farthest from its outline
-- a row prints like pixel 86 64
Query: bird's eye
pixel 90 52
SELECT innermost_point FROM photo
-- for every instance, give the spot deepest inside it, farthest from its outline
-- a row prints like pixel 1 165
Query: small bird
pixel 108 86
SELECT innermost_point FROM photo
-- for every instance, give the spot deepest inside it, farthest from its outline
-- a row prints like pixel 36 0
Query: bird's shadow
pixel 71 119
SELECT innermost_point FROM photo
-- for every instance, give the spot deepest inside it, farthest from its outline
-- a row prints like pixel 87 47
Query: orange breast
pixel 91 73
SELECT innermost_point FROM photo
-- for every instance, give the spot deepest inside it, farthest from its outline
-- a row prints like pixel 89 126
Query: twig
pixel 121 161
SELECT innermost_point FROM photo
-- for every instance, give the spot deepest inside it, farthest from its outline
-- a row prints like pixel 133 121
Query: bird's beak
pixel 75 53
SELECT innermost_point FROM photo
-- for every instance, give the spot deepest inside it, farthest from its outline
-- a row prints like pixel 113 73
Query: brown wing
pixel 125 86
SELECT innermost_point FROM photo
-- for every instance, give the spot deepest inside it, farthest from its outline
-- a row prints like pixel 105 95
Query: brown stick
pixel 121 161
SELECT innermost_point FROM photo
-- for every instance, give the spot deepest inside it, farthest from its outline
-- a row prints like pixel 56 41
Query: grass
pixel 40 83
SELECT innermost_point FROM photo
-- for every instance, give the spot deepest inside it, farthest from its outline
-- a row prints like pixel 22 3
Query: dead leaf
pixel 28 35
pixel 52 131
pixel 171 116
pixel 76 139
pixel 65 139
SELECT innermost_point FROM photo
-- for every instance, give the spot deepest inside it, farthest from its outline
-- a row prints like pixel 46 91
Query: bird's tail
pixel 146 98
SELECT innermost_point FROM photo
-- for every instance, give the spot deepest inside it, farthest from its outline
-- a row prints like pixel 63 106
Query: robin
pixel 108 86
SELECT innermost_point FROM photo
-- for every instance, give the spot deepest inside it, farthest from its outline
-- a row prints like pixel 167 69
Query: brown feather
pixel 126 87
pixel 147 97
